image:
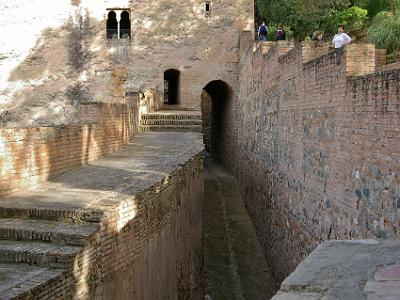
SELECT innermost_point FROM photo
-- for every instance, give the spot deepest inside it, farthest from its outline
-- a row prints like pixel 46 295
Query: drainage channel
pixel 235 267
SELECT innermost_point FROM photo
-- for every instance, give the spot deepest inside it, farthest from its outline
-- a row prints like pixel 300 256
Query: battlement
pixel 319 135
pixel 360 59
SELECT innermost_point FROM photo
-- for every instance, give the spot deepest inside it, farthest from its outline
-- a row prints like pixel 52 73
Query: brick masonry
pixel 148 242
pixel 32 155
pixel 317 148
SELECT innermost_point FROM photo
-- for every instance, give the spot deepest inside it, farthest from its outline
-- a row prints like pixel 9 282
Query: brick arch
pixel 216 107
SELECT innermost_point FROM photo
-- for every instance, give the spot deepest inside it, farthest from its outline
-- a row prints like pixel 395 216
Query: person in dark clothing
pixel 262 32
pixel 280 34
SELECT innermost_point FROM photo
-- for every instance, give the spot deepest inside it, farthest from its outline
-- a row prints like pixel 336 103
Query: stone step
pixel 46 231
pixel 170 128
pixel 170 122
pixel 157 116
pixel 7 210
pixel 37 253
pixel 177 107
pixel 22 281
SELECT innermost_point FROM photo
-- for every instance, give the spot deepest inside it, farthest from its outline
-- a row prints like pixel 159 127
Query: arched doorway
pixel 171 87
pixel 125 25
pixel 112 25
pixel 216 101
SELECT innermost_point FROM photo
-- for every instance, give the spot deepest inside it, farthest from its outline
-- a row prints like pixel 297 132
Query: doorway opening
pixel 217 128
pixel 171 87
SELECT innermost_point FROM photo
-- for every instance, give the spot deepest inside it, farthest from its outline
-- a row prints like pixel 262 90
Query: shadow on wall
pixel 216 100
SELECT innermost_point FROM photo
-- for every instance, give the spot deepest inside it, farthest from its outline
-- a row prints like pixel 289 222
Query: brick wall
pixel 317 155
pixel 31 155
pixel 148 244
pixel 389 67
pixel 380 57
pixel 360 59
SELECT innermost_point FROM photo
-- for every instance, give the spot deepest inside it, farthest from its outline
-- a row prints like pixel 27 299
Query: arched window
pixel 125 25
pixel 171 87
pixel 112 25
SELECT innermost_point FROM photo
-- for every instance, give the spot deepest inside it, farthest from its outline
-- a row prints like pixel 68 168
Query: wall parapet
pixel 317 148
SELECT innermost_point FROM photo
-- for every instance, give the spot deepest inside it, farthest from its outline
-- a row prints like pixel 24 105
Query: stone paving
pixel 348 270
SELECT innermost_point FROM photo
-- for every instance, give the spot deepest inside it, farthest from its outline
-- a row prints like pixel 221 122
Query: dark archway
pixel 125 25
pixel 112 25
pixel 216 100
pixel 171 87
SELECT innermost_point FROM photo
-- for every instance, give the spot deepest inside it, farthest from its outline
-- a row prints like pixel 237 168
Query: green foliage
pixel 301 16
pixel 385 31
pixel 376 6
pixel 272 32
pixel 353 18
pixel 379 19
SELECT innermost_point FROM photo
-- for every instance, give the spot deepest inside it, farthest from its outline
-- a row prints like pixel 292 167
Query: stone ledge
pixel 357 270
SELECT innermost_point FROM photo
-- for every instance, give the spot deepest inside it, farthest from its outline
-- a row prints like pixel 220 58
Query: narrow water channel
pixel 235 268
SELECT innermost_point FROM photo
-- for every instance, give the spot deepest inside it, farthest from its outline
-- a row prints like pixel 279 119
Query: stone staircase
pixel 37 249
pixel 171 120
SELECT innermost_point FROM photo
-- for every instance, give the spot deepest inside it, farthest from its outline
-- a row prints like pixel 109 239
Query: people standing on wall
pixel 317 36
pixel 341 39
pixel 280 34
pixel 262 32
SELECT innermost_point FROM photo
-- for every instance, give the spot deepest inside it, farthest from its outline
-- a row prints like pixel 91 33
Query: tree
pixel 301 16
pixel 306 16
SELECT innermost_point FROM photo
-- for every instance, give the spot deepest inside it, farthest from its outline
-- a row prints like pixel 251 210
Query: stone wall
pixel 317 150
pixel 165 35
pixel 32 155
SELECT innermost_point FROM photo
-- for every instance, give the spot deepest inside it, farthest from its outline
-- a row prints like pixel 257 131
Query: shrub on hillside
pixel 385 31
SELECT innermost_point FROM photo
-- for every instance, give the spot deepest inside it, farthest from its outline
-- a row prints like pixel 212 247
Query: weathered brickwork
pixel 148 244
pixel 317 155
pixel 32 155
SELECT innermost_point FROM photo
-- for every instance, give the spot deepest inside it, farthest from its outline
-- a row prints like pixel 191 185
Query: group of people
pixel 339 40
pixel 263 33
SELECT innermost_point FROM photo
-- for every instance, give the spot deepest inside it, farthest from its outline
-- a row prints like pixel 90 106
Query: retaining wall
pixel 318 148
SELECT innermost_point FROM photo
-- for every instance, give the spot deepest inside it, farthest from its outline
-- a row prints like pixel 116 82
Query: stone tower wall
pixel 165 35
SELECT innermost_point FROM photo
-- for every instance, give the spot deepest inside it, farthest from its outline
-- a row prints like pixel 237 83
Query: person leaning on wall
pixel 317 36
pixel 280 34
pixel 341 39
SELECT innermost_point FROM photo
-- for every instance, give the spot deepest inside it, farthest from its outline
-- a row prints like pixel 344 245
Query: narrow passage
pixel 235 267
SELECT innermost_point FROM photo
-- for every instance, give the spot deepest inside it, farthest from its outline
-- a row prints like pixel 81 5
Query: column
pixel 118 21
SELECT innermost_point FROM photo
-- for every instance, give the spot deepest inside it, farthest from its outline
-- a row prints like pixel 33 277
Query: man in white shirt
pixel 341 38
